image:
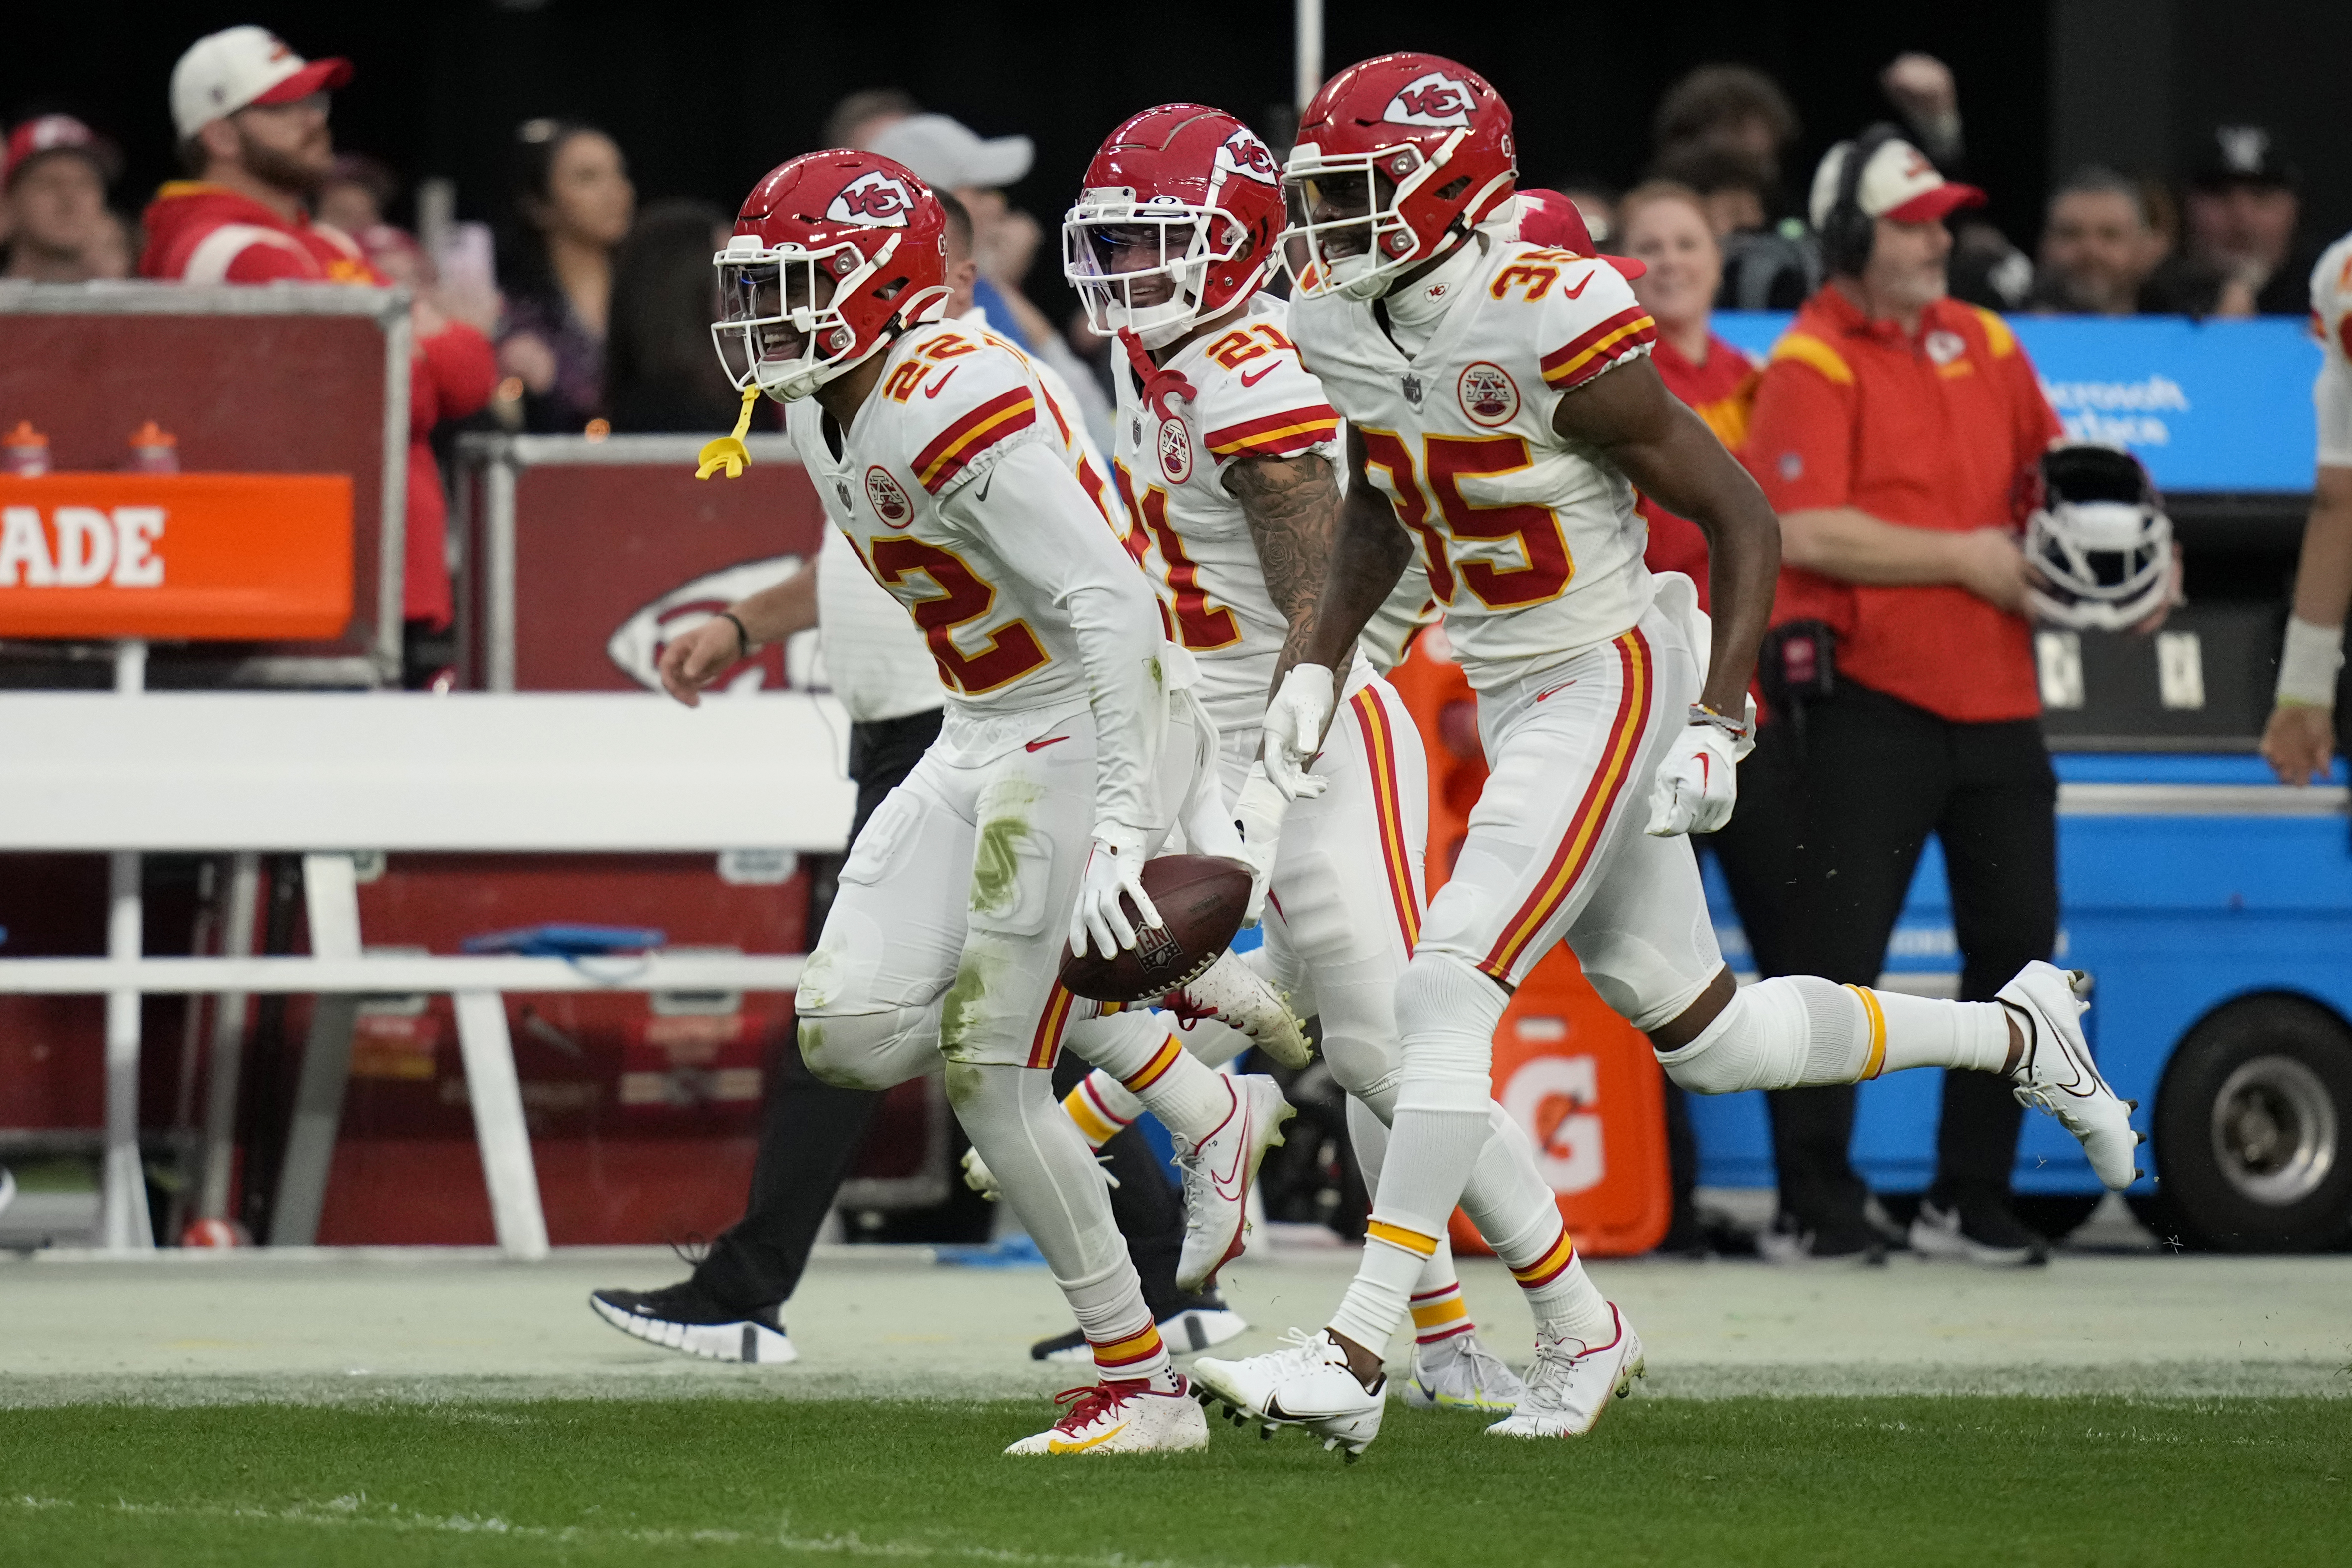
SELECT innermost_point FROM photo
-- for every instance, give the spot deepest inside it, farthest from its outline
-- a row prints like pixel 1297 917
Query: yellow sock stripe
pixel 1437 1314
pixel 1134 1348
pixel 1877 1062
pixel 1151 1072
pixel 1548 1268
pixel 1397 1236
pixel 1081 1108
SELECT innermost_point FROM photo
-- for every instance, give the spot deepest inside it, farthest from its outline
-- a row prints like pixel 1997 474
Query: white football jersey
pixel 952 402
pixel 2331 323
pixel 1531 543
pixel 1249 398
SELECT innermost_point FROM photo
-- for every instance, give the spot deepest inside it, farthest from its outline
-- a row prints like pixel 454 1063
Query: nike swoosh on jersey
pixel 933 390
pixel 1548 691
pixel 1264 371
pixel 1572 293
pixel 1042 745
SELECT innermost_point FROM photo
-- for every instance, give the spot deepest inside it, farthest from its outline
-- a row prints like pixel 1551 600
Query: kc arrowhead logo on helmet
pixel 1434 99
pixel 1243 153
pixel 874 199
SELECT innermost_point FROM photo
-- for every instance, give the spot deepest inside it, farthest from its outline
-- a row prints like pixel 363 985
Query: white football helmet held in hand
pixel 1698 784
pixel 2098 541
pixel 1295 722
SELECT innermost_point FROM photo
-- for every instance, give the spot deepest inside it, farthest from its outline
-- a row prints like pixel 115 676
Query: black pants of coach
pixel 812 1129
pixel 1833 814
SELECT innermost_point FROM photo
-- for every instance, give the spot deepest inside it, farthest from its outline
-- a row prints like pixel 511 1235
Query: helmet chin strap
pixel 1159 385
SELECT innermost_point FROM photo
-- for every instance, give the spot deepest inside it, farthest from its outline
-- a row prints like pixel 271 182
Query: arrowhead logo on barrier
pixel 635 645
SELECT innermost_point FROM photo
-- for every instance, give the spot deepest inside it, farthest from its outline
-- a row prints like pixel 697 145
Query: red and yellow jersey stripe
pixel 1277 434
pixel 1578 844
pixel 1388 806
pixel 937 464
pixel 1591 351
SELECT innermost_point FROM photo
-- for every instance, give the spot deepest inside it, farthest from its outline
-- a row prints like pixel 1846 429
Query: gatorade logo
pixel 81 547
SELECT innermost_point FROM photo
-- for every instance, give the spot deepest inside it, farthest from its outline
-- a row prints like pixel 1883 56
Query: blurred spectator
pixel 1985 268
pixel 53 191
pixel 359 191
pixel 2097 246
pixel 573 204
pixel 1666 230
pixel 856 120
pixel 1765 266
pixel 2239 257
pixel 975 171
pixel 1736 108
pixel 252 121
pixel 659 372
pixel 115 253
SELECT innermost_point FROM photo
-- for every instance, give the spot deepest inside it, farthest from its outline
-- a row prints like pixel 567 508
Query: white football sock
pixel 1438 1283
pixel 1190 1100
pixel 1798 1029
pixel 1920 1031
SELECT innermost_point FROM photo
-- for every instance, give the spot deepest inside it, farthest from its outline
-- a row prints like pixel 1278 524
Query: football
pixel 1200 900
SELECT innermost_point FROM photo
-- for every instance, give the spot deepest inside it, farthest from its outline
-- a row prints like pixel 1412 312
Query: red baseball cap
pixel 241 66
pixel 1550 218
pixel 46 133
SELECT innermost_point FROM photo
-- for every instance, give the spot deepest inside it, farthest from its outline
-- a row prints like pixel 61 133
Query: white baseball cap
pixel 242 67
pixel 947 153
pixel 1898 182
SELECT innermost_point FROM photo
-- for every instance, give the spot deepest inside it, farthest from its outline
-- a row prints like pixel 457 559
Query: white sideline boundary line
pixel 351 1510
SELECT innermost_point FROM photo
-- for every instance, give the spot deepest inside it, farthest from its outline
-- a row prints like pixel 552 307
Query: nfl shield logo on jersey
pixel 1411 386
pixel 1488 394
pixel 1175 450
pixel 888 501
pixel 873 200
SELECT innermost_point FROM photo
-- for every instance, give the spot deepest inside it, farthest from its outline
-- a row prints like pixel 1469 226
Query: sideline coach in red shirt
pixel 1891 430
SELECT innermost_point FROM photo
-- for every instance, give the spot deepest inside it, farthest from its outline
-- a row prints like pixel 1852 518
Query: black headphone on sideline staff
pixel 1848 232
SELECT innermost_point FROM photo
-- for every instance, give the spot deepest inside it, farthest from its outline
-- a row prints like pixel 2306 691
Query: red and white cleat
pixel 1217 1173
pixel 1571 1384
pixel 1238 997
pixel 1122 1418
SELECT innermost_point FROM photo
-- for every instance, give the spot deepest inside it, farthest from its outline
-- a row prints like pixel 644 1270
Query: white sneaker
pixel 1217 1174
pixel 2056 1074
pixel 1304 1383
pixel 1122 1418
pixel 1238 997
pixel 1570 1385
pixel 1459 1373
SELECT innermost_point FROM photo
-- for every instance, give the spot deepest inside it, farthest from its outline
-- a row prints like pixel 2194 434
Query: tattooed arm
pixel 1366 551
pixel 1291 504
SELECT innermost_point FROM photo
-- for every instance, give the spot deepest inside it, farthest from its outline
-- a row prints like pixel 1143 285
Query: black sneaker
pixel 1193 1326
pixel 1977 1230
pixel 1841 1239
pixel 683 1318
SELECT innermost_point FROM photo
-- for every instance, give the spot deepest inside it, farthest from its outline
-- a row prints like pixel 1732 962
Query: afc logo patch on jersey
pixel 1243 153
pixel 1432 98
pixel 1489 396
pixel 889 502
pixel 874 200
pixel 1175 450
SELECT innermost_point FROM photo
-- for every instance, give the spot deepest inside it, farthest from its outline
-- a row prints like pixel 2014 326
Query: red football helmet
pixel 834 253
pixel 1176 224
pixel 1549 219
pixel 1394 156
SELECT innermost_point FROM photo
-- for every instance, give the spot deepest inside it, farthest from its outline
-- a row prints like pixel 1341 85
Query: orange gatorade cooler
pixel 1576 1077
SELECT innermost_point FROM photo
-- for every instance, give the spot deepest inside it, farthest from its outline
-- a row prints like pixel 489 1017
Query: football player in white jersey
pixel 966 495
pixel 2300 739
pixel 1224 461
pixel 1502 409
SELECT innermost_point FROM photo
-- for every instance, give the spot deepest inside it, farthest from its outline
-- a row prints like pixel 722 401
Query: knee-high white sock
pixel 1436 1302
pixel 1446 1013
pixel 1519 1214
pixel 1798 1029
pixel 1191 1098
pixel 1049 1177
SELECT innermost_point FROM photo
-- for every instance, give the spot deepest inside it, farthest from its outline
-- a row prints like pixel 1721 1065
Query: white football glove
pixel 1697 785
pixel 979 1177
pixel 1115 867
pixel 1257 814
pixel 1294 730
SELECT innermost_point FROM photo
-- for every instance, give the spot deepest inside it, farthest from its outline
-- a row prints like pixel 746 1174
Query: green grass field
pixel 1913 1481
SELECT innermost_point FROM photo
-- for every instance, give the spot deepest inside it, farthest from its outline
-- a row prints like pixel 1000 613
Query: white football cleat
pixel 2056 1074
pixel 1122 1418
pixel 1459 1373
pixel 1217 1173
pixel 1570 1384
pixel 1306 1383
pixel 1238 997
